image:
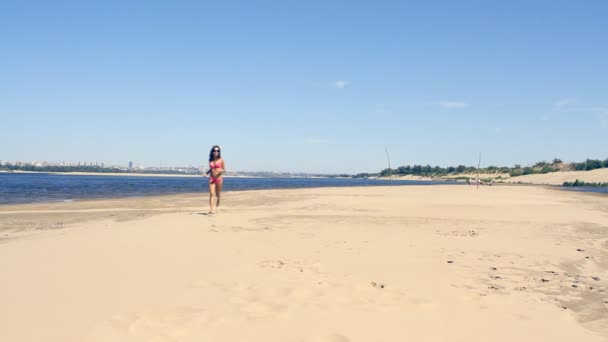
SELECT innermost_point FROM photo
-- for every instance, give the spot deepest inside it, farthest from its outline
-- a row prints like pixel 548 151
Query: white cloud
pixel 340 84
pixel 564 102
pixel 452 104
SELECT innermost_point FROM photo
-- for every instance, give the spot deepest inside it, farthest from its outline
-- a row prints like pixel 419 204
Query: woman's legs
pixel 211 198
pixel 218 192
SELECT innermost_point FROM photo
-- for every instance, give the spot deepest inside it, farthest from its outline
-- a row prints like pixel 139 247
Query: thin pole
pixel 389 163
pixel 478 164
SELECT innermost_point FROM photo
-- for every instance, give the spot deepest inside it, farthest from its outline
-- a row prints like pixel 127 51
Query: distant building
pixel 130 165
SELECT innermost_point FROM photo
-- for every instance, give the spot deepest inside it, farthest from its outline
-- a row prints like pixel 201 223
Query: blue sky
pixel 302 85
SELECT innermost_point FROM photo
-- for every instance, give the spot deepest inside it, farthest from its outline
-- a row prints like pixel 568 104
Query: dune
pixel 558 178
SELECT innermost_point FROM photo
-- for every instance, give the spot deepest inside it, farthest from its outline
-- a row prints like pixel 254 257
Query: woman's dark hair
pixel 211 153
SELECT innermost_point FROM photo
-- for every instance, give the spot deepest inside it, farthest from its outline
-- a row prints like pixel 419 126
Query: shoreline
pixel 552 178
pixel 171 201
pixel 204 193
pixel 154 174
pixel 75 189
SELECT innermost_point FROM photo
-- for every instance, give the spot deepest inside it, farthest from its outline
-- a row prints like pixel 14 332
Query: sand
pixel 552 178
pixel 413 263
pixel 558 178
pixel 407 177
pixel 482 176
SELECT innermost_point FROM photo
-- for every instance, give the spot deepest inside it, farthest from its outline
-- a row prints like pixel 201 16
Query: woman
pixel 216 168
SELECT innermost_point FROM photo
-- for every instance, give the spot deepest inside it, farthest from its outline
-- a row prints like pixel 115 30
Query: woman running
pixel 216 169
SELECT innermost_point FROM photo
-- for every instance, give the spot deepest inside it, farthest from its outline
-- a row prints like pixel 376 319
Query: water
pixel 602 190
pixel 39 187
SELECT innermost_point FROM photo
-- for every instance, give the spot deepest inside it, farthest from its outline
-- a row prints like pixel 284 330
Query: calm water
pixel 603 190
pixel 31 188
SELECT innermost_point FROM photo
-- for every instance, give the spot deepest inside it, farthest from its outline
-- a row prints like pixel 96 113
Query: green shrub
pixel 581 183
pixel 516 172
pixel 593 164
pixel 529 171
pixel 547 169
pixel 580 166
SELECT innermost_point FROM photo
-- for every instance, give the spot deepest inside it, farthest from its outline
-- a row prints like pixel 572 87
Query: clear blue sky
pixel 302 85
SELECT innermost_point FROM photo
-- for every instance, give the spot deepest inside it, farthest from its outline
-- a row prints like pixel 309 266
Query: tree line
pixel 516 170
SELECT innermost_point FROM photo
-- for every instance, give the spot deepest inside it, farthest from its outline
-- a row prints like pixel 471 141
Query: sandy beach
pixel 411 263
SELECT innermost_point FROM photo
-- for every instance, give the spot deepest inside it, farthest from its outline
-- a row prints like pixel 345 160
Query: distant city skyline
pixel 318 87
pixel 129 164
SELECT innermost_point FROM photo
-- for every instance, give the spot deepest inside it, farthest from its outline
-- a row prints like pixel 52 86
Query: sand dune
pixel 419 263
pixel 558 178
pixel 553 178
